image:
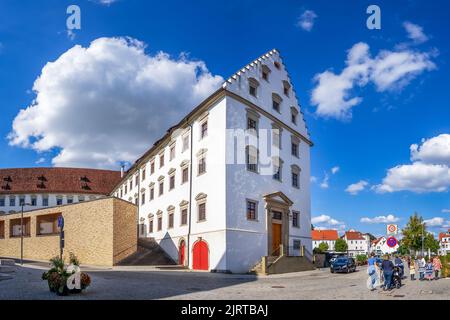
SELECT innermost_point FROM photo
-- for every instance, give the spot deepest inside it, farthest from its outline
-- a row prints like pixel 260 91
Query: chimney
pixel 122 170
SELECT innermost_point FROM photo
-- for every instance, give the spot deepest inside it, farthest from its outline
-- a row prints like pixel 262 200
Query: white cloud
pixel 389 70
pixel 434 222
pixel 40 160
pixel 435 150
pixel 430 173
pixel 313 179
pixel 355 188
pixel 109 102
pixel 380 219
pixel 335 170
pixel 415 32
pixel 326 222
pixel 306 20
pixel 445 210
pixel 104 2
pixel 324 184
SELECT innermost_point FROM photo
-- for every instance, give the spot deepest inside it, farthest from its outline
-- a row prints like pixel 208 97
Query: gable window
pixel 12 201
pixel 184 216
pixel 185 142
pixel 294 115
pixel 143 174
pixel 201 161
pixel 59 201
pixel 21 201
pixel 251 124
pixel 172 182
pixel 121 192
pixel 160 221
pixel 150 225
pixel 172 152
pixel 201 207
pixel 126 188
pixel 265 72
pixel 161 188
pixel 136 178
pixel 161 160
pixel 295 176
pixel 286 88
pixel 45 201
pixel 143 198
pixel 204 129
pixel 294 149
pixel 131 184
pixel 253 85
pixel 171 211
pixel 33 201
pixel 152 167
pixel 252 210
pixel 185 175
pixel 152 192
pixel 295 222
pixel 276 102
pixel 251 158
pixel 69 200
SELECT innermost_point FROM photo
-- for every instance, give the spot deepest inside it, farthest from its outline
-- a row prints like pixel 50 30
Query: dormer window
pixel 286 88
pixel 265 72
pixel 253 85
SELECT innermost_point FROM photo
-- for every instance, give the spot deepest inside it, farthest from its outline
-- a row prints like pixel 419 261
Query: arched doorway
pixel 181 252
pixel 201 256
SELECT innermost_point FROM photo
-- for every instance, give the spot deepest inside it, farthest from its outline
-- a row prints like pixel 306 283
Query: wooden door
pixel 200 256
pixel 181 254
pixel 276 238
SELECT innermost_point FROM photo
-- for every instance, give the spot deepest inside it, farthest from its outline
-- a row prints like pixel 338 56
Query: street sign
pixel 391 229
pixel 61 222
pixel 391 242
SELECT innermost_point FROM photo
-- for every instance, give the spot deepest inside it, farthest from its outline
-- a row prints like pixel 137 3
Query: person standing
pixel 373 280
pixel 412 269
pixel 437 265
pixel 421 264
pixel 388 268
pixel 429 270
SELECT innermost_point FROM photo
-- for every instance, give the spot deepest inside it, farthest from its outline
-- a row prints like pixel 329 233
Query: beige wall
pixel 99 232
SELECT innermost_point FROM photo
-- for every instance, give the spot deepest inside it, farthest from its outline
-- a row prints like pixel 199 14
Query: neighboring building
pixel 444 243
pixel 210 211
pixel 357 242
pixel 324 236
pixel 99 232
pixel 49 187
pixel 380 247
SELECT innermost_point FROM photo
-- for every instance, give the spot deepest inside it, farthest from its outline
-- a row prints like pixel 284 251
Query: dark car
pixel 343 264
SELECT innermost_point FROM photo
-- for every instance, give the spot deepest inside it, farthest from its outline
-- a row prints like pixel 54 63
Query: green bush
pixel 361 259
pixel 445 260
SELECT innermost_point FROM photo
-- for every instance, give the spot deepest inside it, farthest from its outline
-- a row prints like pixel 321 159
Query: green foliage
pixel 341 245
pixel 57 263
pixel 413 232
pixel 323 246
pixel 445 260
pixel 361 258
pixel 431 243
pixel 403 250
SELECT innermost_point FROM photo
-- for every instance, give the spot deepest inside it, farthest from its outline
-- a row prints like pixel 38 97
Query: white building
pixel 206 191
pixel 39 188
pixel 357 243
pixel 324 236
pixel 380 247
pixel 444 243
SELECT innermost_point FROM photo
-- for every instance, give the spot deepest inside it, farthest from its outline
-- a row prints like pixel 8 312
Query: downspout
pixel 191 164
pixel 139 202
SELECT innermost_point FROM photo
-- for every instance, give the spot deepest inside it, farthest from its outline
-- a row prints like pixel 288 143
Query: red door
pixel 181 253
pixel 200 256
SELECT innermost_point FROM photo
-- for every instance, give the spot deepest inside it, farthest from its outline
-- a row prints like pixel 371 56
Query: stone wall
pixel 99 232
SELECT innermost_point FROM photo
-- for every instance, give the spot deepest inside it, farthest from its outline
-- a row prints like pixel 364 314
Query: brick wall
pixel 99 232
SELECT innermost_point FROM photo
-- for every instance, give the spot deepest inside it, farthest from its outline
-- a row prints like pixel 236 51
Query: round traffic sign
pixel 391 242
pixel 392 228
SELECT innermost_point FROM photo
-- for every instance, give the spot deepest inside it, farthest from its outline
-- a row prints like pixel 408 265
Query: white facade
pixel 235 239
pixel 11 203
pixel 331 244
pixel 359 245
pixel 380 247
pixel 444 245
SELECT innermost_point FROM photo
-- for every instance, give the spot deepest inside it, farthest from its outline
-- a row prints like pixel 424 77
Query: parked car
pixel 343 264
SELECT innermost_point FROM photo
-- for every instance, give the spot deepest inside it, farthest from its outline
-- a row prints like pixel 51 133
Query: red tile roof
pixel 57 180
pixel 375 242
pixel 324 235
pixel 354 235
pixel 444 235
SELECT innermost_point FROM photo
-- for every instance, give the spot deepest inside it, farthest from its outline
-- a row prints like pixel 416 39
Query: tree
pixel 323 246
pixel 402 249
pixel 341 245
pixel 431 243
pixel 412 233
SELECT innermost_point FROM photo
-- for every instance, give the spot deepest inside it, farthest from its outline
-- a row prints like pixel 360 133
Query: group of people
pixel 382 272
pixel 427 270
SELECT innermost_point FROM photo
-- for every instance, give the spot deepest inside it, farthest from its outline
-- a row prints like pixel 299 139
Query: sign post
pixel 391 229
pixel 61 235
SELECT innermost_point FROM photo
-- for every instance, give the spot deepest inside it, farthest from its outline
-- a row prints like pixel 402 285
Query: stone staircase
pixel 148 253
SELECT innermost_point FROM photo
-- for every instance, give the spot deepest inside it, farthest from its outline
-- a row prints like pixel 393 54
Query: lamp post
pixel 22 204
pixel 422 237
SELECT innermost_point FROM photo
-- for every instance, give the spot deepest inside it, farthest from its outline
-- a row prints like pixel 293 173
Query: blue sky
pixel 369 138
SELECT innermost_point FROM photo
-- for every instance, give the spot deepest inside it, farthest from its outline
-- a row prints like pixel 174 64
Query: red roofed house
pixel 357 242
pixel 444 242
pixel 48 187
pixel 327 236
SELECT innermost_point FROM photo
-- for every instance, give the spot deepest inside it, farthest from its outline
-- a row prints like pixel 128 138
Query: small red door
pixel 200 256
pixel 181 251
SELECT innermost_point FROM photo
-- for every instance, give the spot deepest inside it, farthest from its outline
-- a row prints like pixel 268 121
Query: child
pixel 421 264
pixel 437 265
pixel 429 270
pixel 412 269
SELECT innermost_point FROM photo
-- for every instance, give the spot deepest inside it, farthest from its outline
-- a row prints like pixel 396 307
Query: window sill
pixel 48 235
pixel 252 171
pixel 18 237
pixel 200 221
pixel 252 220
pixel 201 174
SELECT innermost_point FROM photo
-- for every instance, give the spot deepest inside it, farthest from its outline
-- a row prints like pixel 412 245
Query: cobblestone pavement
pixel 317 284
